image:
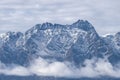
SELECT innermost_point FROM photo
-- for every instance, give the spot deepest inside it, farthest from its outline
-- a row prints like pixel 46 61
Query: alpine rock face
pixel 75 43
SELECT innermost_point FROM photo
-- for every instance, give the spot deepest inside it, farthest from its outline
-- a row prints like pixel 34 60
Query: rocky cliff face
pixel 75 43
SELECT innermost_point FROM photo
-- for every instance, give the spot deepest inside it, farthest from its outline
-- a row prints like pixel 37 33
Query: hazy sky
pixel 20 15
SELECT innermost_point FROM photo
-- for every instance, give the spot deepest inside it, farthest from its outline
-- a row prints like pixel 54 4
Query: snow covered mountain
pixel 75 43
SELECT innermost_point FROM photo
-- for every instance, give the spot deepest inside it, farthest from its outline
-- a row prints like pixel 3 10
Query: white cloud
pixel 13 70
pixel 93 68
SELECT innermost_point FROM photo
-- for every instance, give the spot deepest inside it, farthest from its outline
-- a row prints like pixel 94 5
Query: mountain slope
pixel 75 43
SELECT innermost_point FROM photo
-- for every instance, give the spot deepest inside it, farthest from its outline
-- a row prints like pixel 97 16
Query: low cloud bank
pixel 93 68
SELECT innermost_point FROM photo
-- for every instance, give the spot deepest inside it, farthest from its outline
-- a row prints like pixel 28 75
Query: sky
pixel 20 15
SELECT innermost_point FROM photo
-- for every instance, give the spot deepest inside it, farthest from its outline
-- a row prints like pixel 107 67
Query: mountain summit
pixel 75 42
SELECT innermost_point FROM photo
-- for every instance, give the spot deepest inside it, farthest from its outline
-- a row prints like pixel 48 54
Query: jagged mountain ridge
pixel 75 42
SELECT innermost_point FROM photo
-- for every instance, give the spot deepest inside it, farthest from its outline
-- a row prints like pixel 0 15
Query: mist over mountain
pixel 62 51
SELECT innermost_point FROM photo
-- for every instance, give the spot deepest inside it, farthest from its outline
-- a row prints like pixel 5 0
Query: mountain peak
pixel 117 34
pixel 8 34
pixel 46 25
pixel 83 24
pixel 81 21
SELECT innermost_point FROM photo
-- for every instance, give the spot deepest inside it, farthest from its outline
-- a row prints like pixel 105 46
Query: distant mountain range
pixel 75 43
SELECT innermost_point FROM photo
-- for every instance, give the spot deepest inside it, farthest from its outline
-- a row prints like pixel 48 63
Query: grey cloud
pixel 27 13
